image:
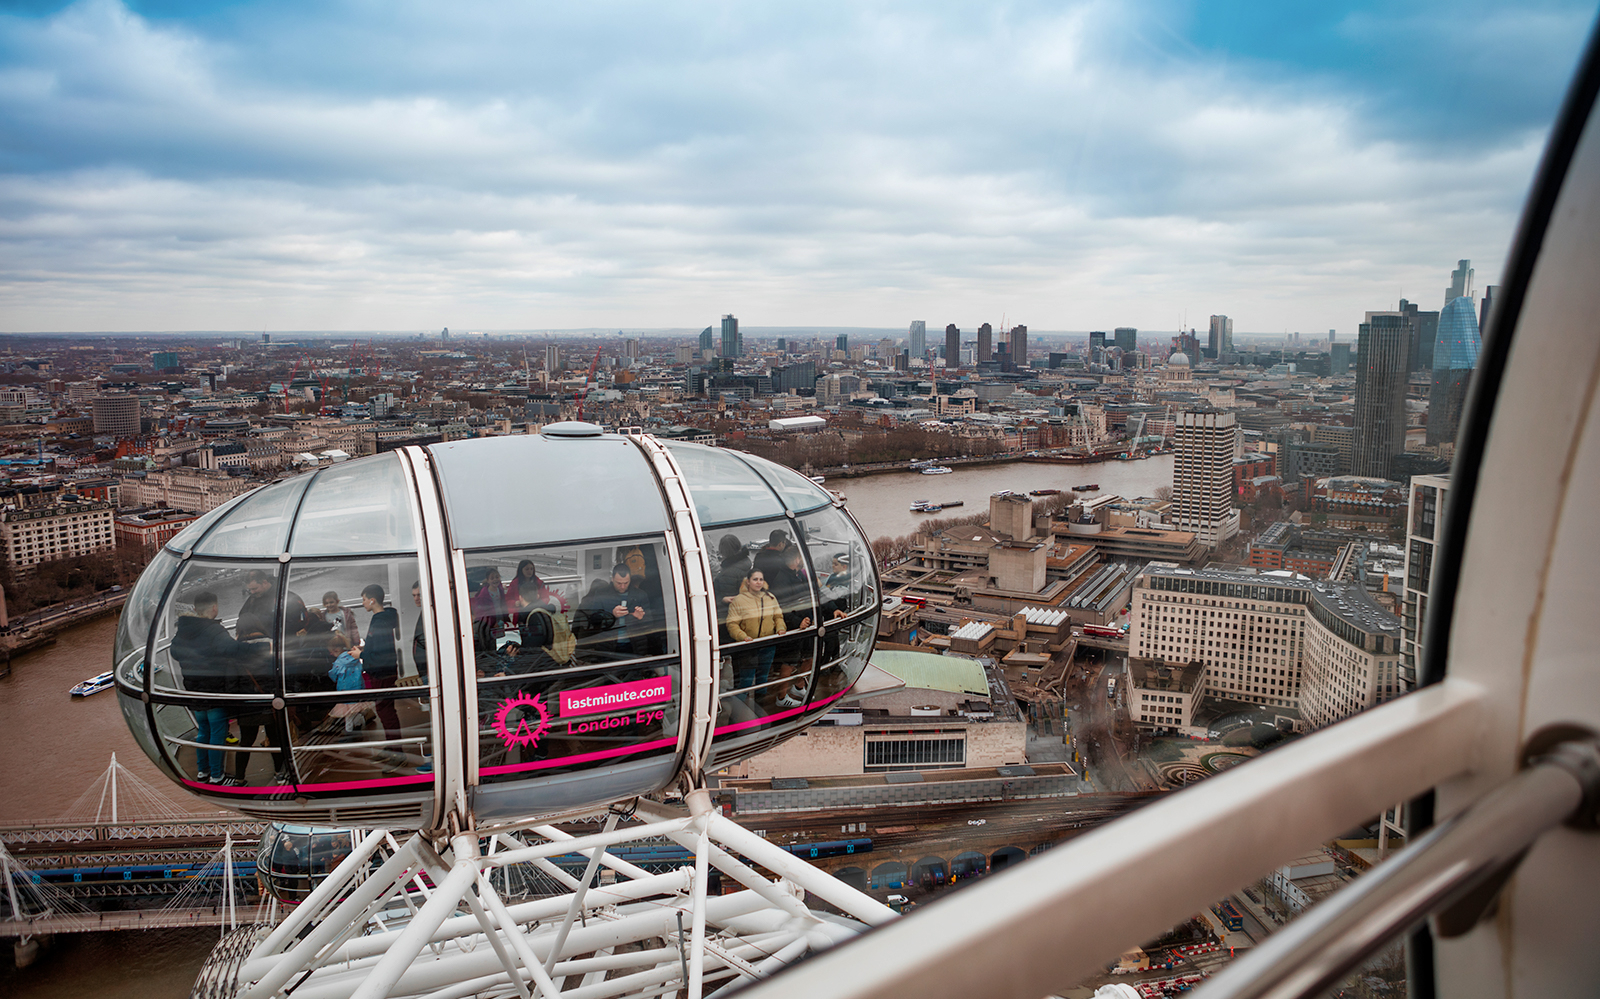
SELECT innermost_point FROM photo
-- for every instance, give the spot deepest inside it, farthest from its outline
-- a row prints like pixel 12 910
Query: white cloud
pixel 845 166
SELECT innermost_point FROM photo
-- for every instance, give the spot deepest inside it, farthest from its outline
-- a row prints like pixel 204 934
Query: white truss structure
pixel 424 919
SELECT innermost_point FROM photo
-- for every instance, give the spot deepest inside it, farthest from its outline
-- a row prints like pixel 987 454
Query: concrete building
pixel 1270 638
pixel 1164 695
pixel 1425 516
pixel 63 530
pixel 952 346
pixel 937 713
pixel 985 350
pixel 1202 476
pixel 184 488
pixel 1127 339
pixel 116 414
pixel 1019 348
pixel 1383 355
pixel 149 528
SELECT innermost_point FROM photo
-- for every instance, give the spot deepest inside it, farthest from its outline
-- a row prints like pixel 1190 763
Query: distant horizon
pixel 877 332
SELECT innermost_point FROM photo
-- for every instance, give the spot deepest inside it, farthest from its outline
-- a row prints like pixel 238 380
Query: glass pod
pixel 521 623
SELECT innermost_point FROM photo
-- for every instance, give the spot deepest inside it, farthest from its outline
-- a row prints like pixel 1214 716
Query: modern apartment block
pixel 985 344
pixel 1272 638
pixel 1202 476
pixel 1424 518
pixel 918 335
pixel 952 346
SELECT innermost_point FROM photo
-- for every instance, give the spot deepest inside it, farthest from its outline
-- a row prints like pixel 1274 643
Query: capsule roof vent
pixel 572 428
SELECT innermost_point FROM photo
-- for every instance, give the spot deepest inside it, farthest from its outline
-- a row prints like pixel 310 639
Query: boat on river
pixel 1089 488
pixel 936 470
pixel 93 685
pixel 925 506
pixel 1044 492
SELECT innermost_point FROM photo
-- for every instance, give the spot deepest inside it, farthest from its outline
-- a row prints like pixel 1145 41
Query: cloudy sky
pixel 486 165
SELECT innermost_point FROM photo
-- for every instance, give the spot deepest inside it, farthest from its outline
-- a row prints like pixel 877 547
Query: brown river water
pixel 58 746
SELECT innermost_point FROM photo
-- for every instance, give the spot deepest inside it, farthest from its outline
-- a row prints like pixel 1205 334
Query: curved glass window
pixel 842 561
pixel 725 489
pixel 293 860
pixel 133 629
pixel 799 493
pixel 215 634
pixel 361 609
pixel 779 601
pixel 196 733
pixel 576 656
pixel 520 490
pixel 186 538
pixel 259 524
pixel 845 649
pixel 359 506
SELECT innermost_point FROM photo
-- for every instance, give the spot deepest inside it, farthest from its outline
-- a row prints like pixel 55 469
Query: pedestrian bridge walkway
pixel 142 919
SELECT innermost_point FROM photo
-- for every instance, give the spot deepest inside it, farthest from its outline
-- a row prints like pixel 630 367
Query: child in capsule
pixel 346 675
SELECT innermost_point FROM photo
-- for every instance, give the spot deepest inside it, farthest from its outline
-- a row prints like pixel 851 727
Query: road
pixel 1092 723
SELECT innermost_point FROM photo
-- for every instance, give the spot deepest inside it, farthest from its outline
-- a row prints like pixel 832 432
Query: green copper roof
pixel 934 672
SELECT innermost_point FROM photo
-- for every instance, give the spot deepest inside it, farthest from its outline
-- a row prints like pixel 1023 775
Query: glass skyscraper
pixel 1455 355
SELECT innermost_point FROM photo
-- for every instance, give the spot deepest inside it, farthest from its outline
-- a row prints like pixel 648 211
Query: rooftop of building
pixel 1175 678
pixel 1347 601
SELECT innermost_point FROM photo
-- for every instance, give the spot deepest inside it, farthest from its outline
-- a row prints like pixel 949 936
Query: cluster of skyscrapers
pixel 1394 344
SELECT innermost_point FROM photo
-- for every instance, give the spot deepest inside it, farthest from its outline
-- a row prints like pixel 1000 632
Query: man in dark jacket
pixel 208 656
pixel 616 611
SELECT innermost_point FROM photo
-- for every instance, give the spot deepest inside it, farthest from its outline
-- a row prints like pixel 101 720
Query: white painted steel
pixel 361 935
pixel 1061 915
pixel 453 751
pixel 1523 626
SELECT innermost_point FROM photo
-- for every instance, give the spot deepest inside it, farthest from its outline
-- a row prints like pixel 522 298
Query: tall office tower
pixel 1383 352
pixel 1222 335
pixel 1331 335
pixel 1127 338
pixel 919 338
pixel 1483 307
pixel 1424 327
pixel 952 346
pixel 985 344
pixel 1423 522
pixel 1460 282
pixel 1019 348
pixel 1455 355
pixel 630 348
pixel 1097 347
pixel 1338 359
pixel 842 342
pixel 1202 475
pixel 902 360
pixel 708 339
pixel 783 345
pixel 732 340
pixel 552 358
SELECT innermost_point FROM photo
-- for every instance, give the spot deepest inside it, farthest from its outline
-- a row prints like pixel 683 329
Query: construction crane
pixel 594 365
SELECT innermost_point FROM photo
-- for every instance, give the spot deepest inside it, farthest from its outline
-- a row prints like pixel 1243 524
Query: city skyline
pixel 164 175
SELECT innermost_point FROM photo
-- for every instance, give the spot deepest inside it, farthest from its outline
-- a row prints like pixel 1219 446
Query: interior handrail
pixel 1453 872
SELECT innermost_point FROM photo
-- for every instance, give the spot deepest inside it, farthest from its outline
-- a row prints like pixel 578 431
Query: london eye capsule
pixel 507 627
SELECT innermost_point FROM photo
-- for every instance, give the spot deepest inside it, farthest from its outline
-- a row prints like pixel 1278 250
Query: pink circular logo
pixel 520 732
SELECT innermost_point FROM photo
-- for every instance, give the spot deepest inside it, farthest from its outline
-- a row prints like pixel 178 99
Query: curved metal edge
pixel 696 611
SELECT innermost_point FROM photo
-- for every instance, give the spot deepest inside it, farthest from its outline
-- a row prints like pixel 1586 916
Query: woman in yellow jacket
pixel 754 614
